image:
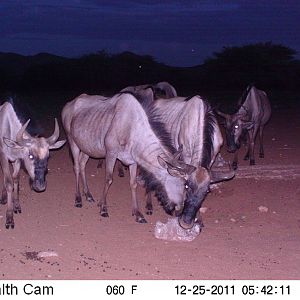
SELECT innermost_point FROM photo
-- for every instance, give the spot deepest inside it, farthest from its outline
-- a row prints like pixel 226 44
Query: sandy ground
pixel 237 242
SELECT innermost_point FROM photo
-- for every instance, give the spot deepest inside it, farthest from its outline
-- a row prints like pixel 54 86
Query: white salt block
pixel 43 254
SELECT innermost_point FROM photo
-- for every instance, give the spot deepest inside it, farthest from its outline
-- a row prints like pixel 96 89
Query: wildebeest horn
pixel 178 153
pixel 19 138
pixel 217 176
pixel 184 225
pixel 54 137
pixel 222 114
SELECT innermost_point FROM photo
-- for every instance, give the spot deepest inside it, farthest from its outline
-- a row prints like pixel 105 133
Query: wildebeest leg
pixel 235 160
pixel 109 169
pixel 83 158
pixel 3 199
pixel 261 147
pixel 75 153
pixel 8 185
pixel 120 169
pixel 248 148
pixel 133 185
pixel 149 206
pixel 252 135
pixel 100 163
pixel 16 178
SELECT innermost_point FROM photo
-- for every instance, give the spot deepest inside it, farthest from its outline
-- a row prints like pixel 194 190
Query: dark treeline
pixel 268 65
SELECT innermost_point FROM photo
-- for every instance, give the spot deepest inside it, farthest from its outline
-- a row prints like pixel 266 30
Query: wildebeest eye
pixel 186 187
pixel 236 126
pixel 31 156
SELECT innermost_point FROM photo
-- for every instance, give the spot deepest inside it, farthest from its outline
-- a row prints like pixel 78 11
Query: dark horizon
pixel 175 33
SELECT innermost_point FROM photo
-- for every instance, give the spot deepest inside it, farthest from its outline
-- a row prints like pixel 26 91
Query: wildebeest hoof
pixel 104 214
pixel 90 198
pixel 261 155
pixel 246 157
pixel 78 204
pixel 252 162
pixel 10 224
pixel 18 210
pixel 149 212
pixel 140 219
pixel 234 166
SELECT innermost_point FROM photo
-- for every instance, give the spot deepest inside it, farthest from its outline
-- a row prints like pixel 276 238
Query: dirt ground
pixel 237 242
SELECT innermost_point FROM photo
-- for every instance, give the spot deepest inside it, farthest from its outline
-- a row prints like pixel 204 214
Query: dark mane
pixel 156 124
pixel 210 121
pixel 151 184
pixel 24 113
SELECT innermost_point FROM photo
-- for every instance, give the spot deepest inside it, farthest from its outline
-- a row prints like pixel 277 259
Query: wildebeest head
pixel 34 151
pixel 235 125
pixel 197 187
pixel 196 184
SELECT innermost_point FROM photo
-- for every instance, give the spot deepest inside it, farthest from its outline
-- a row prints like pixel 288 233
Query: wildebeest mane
pixel 243 98
pixel 151 184
pixel 24 113
pixel 209 128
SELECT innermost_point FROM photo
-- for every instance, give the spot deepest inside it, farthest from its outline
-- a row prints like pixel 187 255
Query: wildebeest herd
pixel 169 144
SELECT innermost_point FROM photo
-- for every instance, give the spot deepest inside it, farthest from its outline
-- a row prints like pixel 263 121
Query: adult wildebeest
pixel 193 127
pixel 16 146
pixel 120 128
pixel 161 89
pixel 253 113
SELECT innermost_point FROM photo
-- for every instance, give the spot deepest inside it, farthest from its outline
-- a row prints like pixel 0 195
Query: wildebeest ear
pixel 57 145
pixel 247 125
pixel 12 144
pixel 162 162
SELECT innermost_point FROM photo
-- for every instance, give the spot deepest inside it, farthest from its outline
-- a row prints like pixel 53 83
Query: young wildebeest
pixel 193 127
pixel 16 145
pixel 253 113
pixel 120 128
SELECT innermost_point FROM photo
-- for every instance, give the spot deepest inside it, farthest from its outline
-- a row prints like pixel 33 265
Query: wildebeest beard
pixel 153 185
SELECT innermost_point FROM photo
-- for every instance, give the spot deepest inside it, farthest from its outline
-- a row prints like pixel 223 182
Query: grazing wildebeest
pixel 16 146
pixel 253 113
pixel 193 128
pixel 120 128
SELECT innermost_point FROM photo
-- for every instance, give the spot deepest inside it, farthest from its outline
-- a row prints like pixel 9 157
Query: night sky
pixel 178 33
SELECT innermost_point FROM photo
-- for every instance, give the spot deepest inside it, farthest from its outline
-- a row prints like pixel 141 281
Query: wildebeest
pixel 120 128
pixel 253 113
pixel 193 128
pixel 16 146
pixel 161 89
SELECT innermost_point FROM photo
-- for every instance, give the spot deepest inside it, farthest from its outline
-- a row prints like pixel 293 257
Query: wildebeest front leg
pixel 149 206
pixel 133 185
pixel 252 135
pixel 247 155
pixel 83 158
pixel 109 169
pixel 8 185
pixel 235 160
pixel 75 153
pixel 16 178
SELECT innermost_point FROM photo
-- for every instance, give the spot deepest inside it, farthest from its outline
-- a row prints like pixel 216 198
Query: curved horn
pixel 222 114
pixel 19 138
pixel 217 176
pixel 54 137
pixel 184 225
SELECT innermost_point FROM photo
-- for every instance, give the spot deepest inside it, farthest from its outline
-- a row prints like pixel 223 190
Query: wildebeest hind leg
pixel 83 158
pixel 109 168
pixel 261 147
pixel 3 198
pixel 133 185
